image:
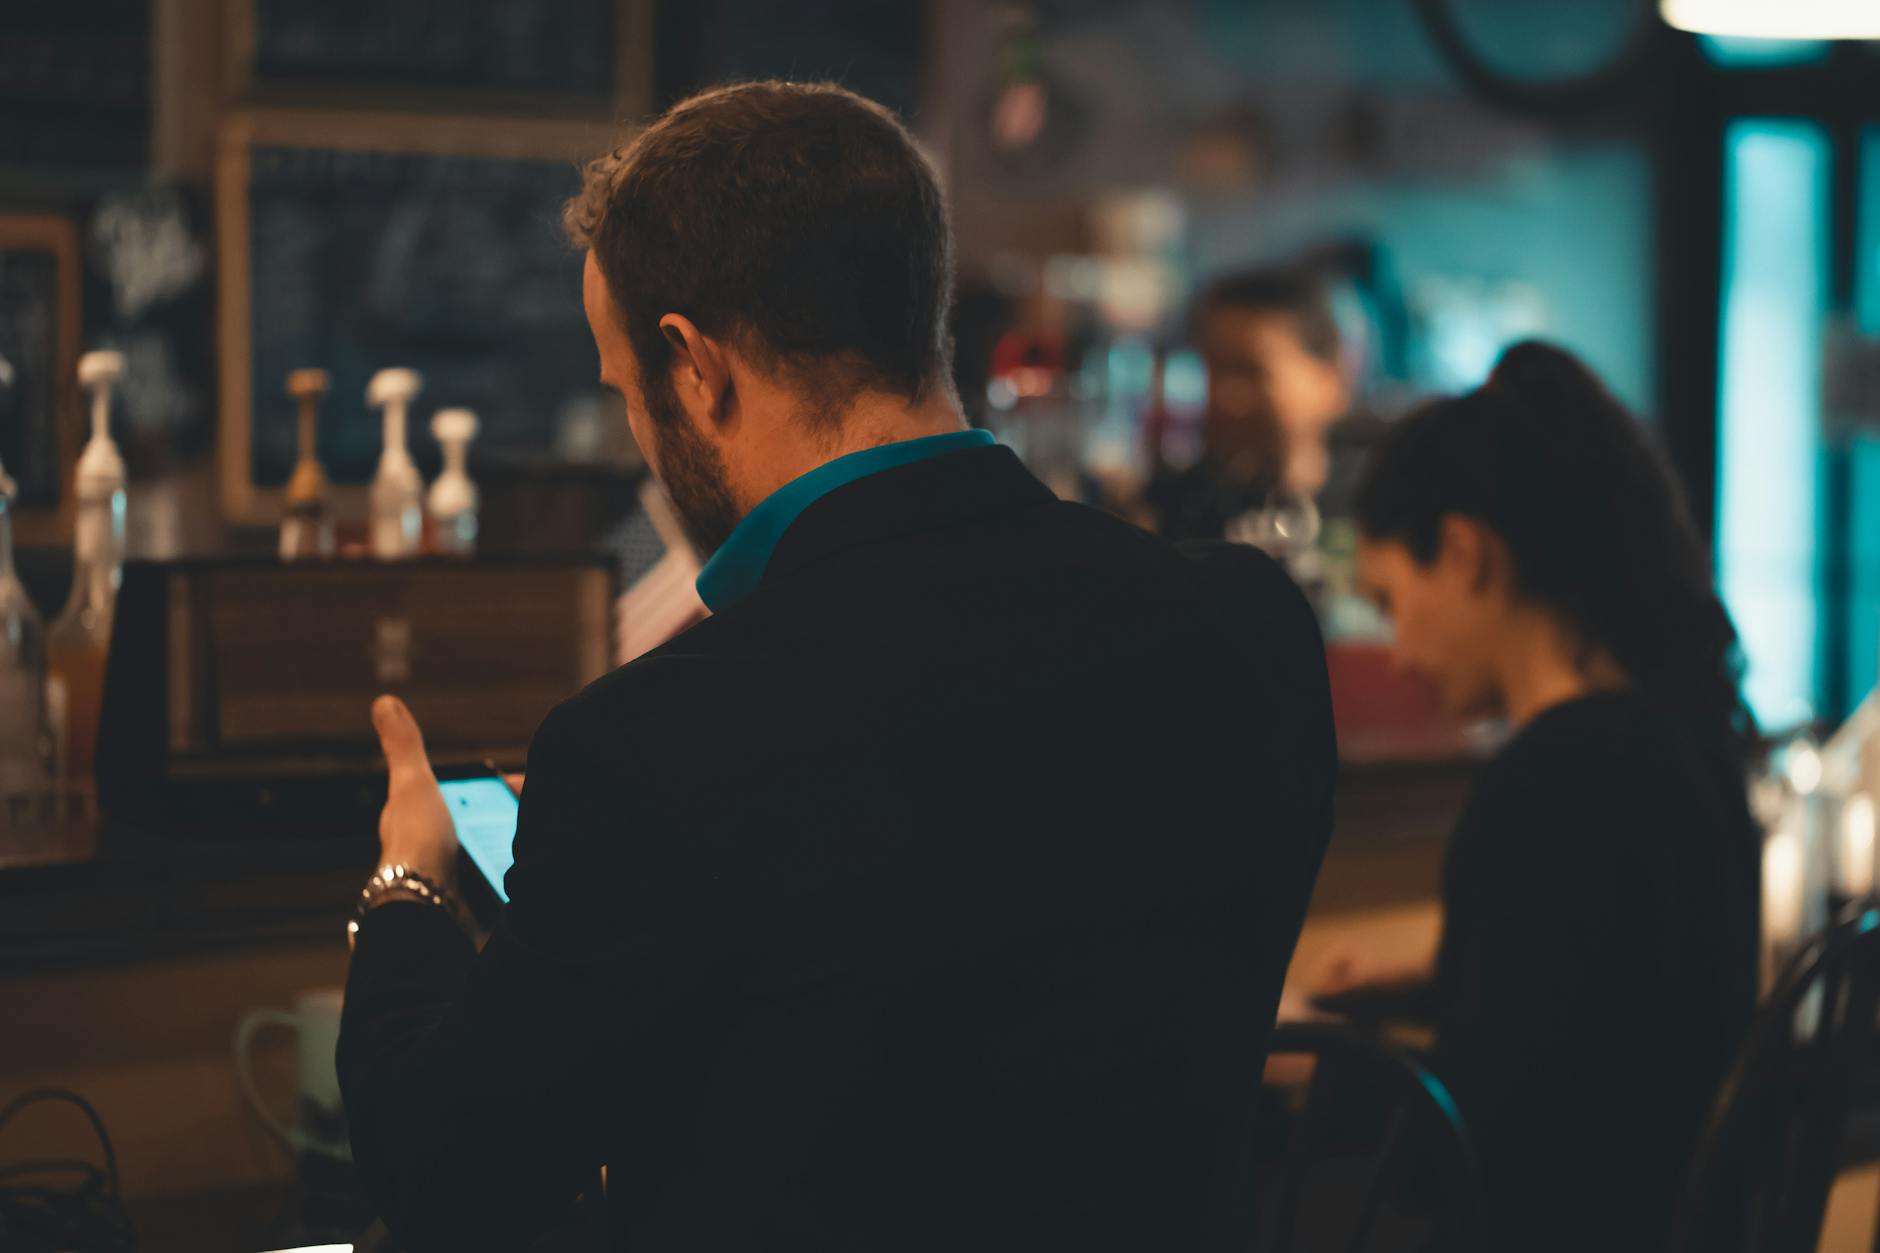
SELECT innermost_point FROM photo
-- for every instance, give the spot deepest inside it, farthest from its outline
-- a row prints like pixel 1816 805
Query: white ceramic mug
pixel 321 1125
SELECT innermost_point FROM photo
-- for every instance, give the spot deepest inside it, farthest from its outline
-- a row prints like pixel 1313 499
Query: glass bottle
pixel 81 636
pixel 25 740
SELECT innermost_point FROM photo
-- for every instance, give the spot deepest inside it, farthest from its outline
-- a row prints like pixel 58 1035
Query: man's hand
pixel 415 827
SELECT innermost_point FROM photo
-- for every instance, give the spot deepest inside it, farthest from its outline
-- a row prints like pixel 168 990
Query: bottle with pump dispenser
pixel 81 636
pixel 397 493
pixel 452 501
pixel 307 517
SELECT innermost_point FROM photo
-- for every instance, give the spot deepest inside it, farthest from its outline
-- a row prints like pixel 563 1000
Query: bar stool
pixel 1760 1178
pixel 1423 1131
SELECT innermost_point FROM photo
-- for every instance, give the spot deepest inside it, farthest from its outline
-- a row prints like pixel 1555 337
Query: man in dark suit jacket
pixel 933 894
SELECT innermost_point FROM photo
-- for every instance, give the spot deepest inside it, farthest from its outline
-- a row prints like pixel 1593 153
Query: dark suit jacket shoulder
pixel 935 896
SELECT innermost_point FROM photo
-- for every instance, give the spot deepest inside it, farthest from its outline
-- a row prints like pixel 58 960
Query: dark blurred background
pixel 253 187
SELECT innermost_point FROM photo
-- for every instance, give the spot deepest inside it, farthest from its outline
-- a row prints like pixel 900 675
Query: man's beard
pixel 692 472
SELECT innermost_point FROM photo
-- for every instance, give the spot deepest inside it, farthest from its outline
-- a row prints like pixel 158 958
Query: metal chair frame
pixel 1418 1087
pixel 1768 1157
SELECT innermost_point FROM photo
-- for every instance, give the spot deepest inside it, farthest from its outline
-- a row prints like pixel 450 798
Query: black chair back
pixel 1424 1149
pixel 1761 1175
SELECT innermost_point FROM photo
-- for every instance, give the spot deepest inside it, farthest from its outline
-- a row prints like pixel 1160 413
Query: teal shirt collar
pixel 738 566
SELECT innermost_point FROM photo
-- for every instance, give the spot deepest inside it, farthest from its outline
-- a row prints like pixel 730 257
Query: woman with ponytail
pixel 1597 964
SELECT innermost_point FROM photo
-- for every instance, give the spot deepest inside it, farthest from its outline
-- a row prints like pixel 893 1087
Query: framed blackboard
pixel 353 243
pixel 568 57
pixel 39 330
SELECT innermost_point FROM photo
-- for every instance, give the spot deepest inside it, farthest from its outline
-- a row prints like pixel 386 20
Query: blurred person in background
pixel 1277 384
pixel 1597 963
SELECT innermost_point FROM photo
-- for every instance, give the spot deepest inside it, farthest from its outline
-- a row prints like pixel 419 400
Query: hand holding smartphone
pixel 484 810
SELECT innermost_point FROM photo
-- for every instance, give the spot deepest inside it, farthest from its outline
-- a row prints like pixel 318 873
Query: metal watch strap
pixel 393 880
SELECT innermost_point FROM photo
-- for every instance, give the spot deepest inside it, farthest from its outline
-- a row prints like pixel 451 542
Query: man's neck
pixel 873 420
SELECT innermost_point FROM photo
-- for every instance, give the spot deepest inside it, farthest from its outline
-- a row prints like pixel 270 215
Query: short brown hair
pixel 797 220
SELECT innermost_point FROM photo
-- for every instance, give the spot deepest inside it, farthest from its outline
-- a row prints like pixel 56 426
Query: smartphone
pixel 484 810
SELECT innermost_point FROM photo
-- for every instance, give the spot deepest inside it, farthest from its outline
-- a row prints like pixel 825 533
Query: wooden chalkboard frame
pixel 45 232
pixel 632 97
pixel 244 501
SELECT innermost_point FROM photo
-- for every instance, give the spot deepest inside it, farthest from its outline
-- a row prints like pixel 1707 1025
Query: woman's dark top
pixel 1597 969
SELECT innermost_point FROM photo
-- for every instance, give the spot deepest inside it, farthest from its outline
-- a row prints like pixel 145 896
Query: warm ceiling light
pixel 1777 19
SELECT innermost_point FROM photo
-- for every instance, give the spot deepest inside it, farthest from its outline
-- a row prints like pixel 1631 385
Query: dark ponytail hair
pixel 1595 524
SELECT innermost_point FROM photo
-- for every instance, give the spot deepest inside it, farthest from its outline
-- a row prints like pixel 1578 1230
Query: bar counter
pixel 112 894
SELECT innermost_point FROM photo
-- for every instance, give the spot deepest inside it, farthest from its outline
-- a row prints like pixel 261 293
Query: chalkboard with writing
pixel 568 46
pixel 39 320
pixel 453 265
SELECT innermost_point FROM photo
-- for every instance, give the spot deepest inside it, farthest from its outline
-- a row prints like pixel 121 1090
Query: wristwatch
pixel 398 881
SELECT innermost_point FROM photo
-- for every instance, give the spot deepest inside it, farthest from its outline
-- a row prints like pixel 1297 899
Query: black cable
pixel 38 1095
pixel 86 1215
pixel 56 1165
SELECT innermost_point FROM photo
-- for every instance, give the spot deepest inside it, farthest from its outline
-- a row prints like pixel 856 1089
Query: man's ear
pixel 700 371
